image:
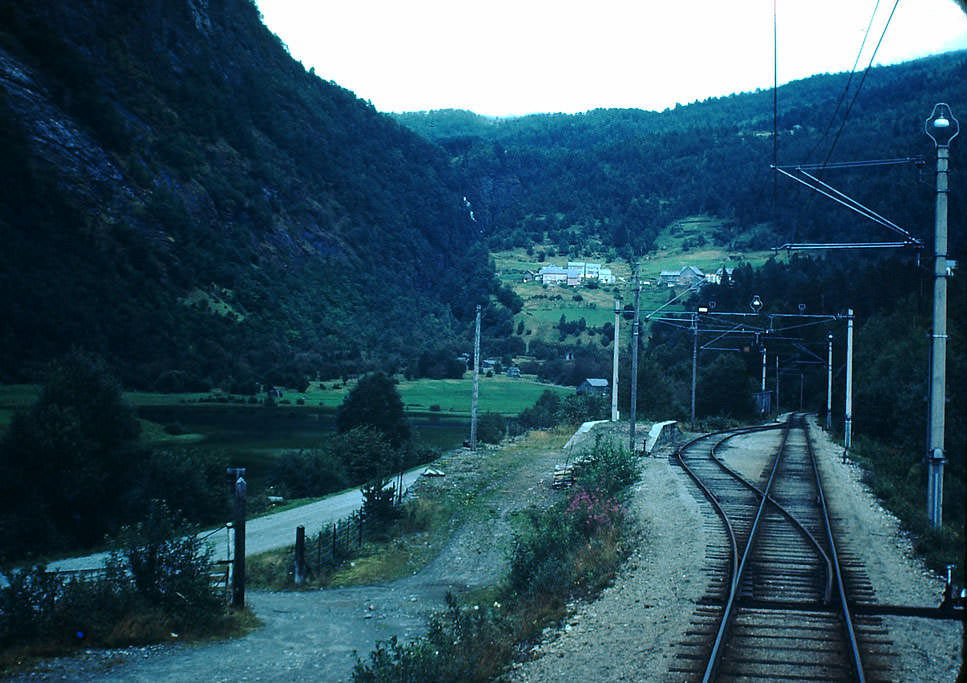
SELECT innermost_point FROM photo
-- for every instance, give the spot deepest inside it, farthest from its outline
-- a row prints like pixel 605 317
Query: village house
pixel 594 386
pixel 721 275
pixel 689 275
pixel 668 278
pixel 574 275
pixel 686 277
pixel 552 275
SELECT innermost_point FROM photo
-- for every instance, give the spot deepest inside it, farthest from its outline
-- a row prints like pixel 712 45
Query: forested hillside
pixel 181 197
pixel 610 178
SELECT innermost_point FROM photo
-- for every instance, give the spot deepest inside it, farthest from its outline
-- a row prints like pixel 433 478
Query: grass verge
pixel 571 549
pixel 424 526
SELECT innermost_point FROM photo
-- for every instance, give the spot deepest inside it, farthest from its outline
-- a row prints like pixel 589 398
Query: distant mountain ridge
pixel 183 197
pixel 614 177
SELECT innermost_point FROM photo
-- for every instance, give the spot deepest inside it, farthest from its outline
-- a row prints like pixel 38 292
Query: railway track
pixel 780 595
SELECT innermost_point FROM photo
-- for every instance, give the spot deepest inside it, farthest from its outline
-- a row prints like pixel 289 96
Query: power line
pixel 859 88
pixel 849 82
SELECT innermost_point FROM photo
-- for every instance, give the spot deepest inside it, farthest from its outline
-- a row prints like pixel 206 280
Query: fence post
pixel 300 555
pixel 334 543
pixel 359 533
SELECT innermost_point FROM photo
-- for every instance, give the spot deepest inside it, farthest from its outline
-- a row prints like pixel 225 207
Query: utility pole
pixel 694 362
pixel 476 384
pixel 848 417
pixel 614 362
pixel 635 331
pixel 829 381
pixel 941 127
pixel 777 383
pixel 763 387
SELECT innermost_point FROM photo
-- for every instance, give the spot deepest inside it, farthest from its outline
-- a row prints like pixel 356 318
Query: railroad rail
pixel 779 601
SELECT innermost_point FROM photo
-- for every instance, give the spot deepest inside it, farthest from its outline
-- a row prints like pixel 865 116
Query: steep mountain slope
pixel 610 177
pixel 184 198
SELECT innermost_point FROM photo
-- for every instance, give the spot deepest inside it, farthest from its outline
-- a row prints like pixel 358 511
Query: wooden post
pixel 333 542
pixel 299 573
pixel 238 584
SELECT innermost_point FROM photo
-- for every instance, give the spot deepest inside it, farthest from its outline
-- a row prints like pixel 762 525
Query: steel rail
pixel 849 630
pixel 730 532
pixel 827 560
pixel 728 613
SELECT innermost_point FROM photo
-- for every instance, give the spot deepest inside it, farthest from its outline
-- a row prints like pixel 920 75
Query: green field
pixel 497 394
pixel 687 242
pixel 452 396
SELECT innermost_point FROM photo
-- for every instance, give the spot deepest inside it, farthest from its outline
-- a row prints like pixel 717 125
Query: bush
pixel 463 643
pixel 490 427
pixel 170 572
pixel 379 503
pixel 309 473
pixel 606 467
pixel 159 584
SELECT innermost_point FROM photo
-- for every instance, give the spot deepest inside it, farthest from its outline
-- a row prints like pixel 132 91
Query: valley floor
pixel 629 633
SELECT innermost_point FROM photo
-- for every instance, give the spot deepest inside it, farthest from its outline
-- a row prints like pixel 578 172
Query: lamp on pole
pixel 941 127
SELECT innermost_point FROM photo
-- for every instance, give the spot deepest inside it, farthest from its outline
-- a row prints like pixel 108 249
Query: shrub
pixel 490 427
pixel 158 584
pixel 463 643
pixel 606 467
pixel 379 503
pixel 169 571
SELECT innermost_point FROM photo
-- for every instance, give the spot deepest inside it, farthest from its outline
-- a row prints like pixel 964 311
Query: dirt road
pixel 312 635
pixel 264 533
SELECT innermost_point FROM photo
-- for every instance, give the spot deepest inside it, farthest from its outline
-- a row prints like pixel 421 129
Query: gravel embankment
pixel 630 632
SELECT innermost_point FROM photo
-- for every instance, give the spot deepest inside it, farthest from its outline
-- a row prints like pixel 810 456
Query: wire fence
pixel 334 544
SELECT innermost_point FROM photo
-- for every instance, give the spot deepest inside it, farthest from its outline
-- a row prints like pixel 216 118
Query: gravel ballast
pixel 631 631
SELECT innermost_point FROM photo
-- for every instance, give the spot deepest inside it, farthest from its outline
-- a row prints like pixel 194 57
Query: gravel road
pixel 264 533
pixel 312 635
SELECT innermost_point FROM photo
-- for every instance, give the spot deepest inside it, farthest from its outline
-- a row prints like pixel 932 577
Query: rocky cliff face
pixel 168 148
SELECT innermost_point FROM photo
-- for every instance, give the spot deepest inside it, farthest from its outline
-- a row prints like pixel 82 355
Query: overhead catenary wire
pixel 859 88
pixel 865 210
pixel 856 164
pixel 841 198
pixel 849 81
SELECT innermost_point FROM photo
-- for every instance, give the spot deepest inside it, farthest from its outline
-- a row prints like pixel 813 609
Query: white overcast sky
pixel 512 57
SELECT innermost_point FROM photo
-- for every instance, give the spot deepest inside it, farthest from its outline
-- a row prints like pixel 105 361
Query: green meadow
pixel 298 419
pixel 687 242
